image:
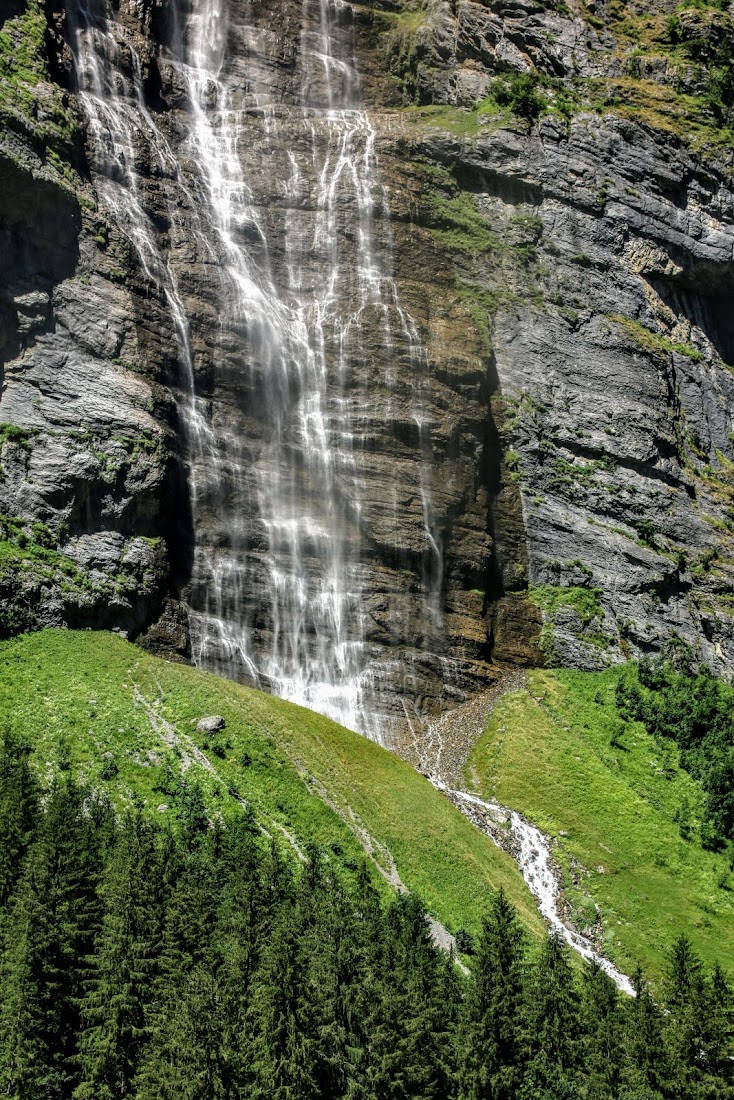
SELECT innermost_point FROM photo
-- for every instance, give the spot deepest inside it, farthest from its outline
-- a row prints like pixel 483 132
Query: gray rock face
pixel 617 378
pixel 82 457
pixel 537 391
pixel 451 54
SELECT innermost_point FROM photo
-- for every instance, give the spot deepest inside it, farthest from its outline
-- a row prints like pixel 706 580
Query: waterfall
pixel 110 90
pixel 302 296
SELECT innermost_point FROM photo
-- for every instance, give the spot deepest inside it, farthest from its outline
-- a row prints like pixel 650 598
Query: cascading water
pixel 110 89
pixel 536 863
pixel 305 298
pixel 311 581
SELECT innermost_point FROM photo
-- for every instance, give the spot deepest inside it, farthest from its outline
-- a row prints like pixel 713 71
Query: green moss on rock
pixel 584 601
pixel 652 342
pixel 30 102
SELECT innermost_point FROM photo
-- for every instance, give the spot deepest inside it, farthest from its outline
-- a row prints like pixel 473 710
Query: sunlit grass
pixel 81 696
pixel 609 793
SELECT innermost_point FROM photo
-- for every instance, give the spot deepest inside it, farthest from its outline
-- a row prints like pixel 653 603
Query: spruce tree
pixel 603 1047
pixel 284 1040
pixel 19 810
pixel 685 999
pixel 406 1027
pixel 553 1026
pixel 492 1032
pixel 242 923
pixel 337 967
pixel 183 1054
pixel 719 1030
pixel 646 1068
pixel 114 1004
pixel 53 922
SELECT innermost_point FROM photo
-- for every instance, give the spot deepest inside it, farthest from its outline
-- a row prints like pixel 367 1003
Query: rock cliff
pixel 362 351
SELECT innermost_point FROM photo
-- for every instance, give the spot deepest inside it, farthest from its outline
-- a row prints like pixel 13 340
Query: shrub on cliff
pixel 520 93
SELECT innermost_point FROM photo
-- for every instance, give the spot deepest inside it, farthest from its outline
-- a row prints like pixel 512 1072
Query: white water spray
pixel 302 339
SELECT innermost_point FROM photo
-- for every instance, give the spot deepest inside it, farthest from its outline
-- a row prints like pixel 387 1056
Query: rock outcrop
pixel 520 375
pixel 83 457
pixel 610 268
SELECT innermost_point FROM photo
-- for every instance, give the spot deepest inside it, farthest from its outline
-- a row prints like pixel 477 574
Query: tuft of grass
pixel 20 437
pixel 22 42
pixel 481 305
pixel 611 796
pixel 570 477
pixel 11 433
pixel 653 342
pixel 484 117
pixel 94 694
pixel 454 220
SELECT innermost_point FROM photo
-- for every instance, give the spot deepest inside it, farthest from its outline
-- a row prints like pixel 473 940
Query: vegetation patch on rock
pixel 31 103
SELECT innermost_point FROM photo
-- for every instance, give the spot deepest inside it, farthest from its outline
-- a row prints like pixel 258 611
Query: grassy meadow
pixel 618 806
pixel 124 720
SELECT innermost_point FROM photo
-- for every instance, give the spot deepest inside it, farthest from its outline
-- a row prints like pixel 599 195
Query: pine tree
pixel 183 1055
pixel 19 810
pixel 602 1035
pixel 54 920
pixel 492 1033
pixel 646 1066
pixel 553 1026
pixel 114 1004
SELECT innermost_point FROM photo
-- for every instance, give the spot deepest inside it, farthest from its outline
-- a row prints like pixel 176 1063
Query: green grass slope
pixel 127 721
pixel 613 798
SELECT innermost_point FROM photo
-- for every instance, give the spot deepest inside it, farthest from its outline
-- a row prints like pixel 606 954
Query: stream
pixel 536 863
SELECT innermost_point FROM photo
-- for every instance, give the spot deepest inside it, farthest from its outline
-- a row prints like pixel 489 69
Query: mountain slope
pixel 127 721
pixel 619 806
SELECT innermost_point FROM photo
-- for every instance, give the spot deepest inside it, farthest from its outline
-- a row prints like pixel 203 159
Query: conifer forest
pixel 148 962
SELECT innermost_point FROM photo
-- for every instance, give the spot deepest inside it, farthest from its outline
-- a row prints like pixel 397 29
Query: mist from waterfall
pixel 277 595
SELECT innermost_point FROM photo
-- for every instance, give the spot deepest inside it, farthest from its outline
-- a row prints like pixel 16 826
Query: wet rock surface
pixel 440 748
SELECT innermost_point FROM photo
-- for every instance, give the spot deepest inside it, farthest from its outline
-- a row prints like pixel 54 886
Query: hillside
pixel 624 815
pixel 127 721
